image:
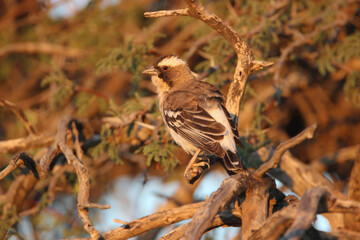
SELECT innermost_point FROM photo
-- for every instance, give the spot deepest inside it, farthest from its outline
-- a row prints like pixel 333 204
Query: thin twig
pixel 167 13
pixel 79 151
pixel 45 48
pixel 301 39
pixel 308 133
pixel 20 114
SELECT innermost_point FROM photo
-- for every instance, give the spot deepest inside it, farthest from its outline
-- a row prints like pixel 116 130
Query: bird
pixel 194 111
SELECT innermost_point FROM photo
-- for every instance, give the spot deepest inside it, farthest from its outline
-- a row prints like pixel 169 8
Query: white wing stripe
pixel 172 113
pixel 228 142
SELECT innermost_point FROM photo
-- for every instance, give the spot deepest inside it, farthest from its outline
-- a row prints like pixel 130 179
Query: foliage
pixel 160 150
pixel 352 87
pixel 64 86
pixel 110 139
pixel 117 43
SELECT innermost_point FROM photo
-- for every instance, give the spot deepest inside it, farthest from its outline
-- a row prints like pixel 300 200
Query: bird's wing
pixel 197 126
pixel 233 127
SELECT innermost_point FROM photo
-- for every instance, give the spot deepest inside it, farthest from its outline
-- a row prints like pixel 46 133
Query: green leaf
pixel 352 87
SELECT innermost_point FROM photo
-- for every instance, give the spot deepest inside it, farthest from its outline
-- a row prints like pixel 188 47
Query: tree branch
pixel 308 133
pixel 17 161
pixel 229 189
pixel 45 48
pixel 300 40
pixel 255 207
pixel 25 143
pixel 306 213
pixel 156 220
pixel 276 224
pixel 245 63
pixel 84 181
pixel 223 219
pixel 20 114
pixel 167 13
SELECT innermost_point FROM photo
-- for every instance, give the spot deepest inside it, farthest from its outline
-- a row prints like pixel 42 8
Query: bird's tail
pixel 232 161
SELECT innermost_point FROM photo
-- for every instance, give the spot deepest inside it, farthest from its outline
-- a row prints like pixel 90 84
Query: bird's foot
pixel 202 161
pixel 198 163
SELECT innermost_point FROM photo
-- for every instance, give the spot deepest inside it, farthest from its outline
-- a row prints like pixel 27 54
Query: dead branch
pixel 301 214
pixel 14 199
pixel 308 133
pixel 246 62
pixel 352 222
pixel 276 224
pixel 40 48
pixel 84 181
pixel 224 219
pixel 345 234
pixel 20 114
pixel 18 160
pixel 294 174
pixel 340 156
pixel 303 177
pixel 156 220
pixel 254 215
pixel 216 203
pixel 43 169
pixel 22 144
pixel 229 189
pixel 167 13
pixel 306 213
pixel 336 205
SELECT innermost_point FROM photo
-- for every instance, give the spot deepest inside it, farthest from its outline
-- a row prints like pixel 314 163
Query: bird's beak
pixel 150 71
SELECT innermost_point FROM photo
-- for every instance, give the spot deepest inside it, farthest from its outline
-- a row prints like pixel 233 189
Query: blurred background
pixel 84 58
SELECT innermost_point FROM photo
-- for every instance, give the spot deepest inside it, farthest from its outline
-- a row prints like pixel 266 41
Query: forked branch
pixel 245 63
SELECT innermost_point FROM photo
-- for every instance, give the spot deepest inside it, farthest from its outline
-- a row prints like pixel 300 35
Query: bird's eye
pixel 165 68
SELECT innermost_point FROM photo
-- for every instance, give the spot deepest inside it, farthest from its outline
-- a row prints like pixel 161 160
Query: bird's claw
pixel 202 161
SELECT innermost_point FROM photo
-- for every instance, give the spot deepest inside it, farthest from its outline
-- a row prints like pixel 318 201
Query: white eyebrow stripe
pixel 172 62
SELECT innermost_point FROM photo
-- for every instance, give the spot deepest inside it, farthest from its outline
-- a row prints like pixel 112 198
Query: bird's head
pixel 168 72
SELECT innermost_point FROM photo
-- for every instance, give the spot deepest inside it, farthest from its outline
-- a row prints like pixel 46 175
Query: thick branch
pixel 306 213
pixel 156 220
pixel 301 214
pixel 229 189
pixel 338 157
pixel 25 143
pixel 276 224
pixel 254 209
pixel 223 219
pixel 352 221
